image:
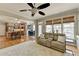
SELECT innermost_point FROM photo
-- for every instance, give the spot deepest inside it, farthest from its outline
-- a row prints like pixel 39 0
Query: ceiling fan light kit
pixel 35 9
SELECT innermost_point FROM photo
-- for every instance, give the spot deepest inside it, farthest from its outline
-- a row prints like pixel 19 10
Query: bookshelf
pixel 15 30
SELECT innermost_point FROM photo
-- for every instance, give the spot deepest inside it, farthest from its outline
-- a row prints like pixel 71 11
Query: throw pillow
pixel 42 36
pixel 46 35
pixel 61 38
pixel 55 37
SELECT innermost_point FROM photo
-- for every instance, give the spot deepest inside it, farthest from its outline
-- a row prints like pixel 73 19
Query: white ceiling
pixel 52 9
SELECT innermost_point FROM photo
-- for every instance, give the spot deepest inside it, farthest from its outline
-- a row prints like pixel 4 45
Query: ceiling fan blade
pixel 23 10
pixel 43 6
pixel 41 13
pixel 31 5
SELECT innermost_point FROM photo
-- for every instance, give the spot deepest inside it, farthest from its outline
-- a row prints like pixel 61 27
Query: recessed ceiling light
pixel 16 19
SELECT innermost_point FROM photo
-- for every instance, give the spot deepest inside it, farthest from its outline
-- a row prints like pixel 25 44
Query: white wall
pixel 2 29
pixel 78 22
pixel 78 28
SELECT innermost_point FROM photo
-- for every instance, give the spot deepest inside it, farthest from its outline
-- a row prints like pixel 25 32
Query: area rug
pixel 29 48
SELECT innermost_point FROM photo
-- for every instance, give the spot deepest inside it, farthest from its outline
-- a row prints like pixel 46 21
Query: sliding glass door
pixel 62 25
pixel 49 28
pixel 57 27
pixel 68 29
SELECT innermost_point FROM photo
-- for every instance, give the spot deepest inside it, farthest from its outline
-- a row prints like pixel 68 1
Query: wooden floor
pixel 73 49
pixel 10 42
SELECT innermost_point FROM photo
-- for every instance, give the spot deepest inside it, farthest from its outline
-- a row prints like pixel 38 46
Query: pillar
pixel 36 28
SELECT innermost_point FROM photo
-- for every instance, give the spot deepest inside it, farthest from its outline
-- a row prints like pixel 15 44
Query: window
pixel 57 27
pixel 33 27
pixel 65 25
pixel 39 30
pixel 49 28
pixel 68 29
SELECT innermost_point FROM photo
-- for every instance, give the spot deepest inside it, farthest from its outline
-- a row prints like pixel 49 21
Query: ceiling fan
pixel 36 9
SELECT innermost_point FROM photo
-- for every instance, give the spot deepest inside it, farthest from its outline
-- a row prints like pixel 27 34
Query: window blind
pixel 57 21
pixel 68 19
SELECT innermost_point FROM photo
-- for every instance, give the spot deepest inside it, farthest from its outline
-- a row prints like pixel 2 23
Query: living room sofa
pixel 55 41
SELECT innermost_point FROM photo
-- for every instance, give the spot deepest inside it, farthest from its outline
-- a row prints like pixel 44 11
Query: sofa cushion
pixel 61 38
pixel 42 41
pixel 58 44
pixel 42 36
pixel 48 35
pixel 55 37
pixel 51 36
